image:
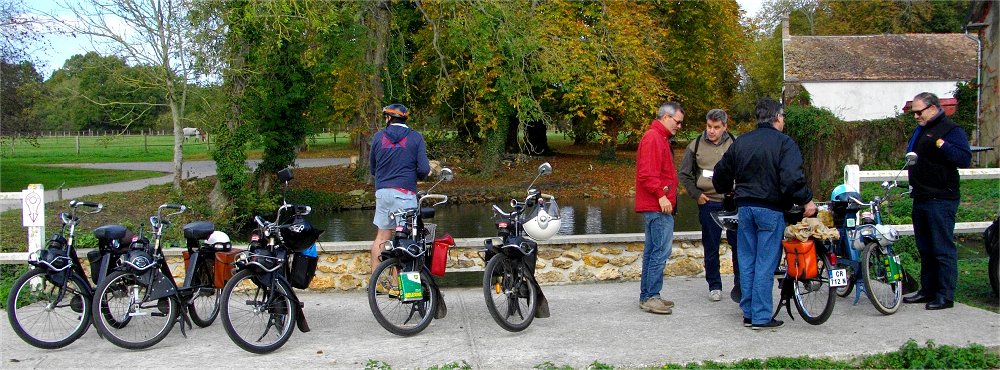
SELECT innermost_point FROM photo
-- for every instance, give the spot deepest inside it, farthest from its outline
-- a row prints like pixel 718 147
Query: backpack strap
pixel 694 162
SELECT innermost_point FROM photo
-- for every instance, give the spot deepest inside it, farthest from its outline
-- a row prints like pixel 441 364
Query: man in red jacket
pixel 655 198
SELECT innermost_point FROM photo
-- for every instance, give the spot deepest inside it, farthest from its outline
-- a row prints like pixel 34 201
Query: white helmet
pixel 219 240
pixel 886 235
pixel 544 221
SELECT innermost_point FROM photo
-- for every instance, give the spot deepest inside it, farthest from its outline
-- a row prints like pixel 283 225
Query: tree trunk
pixel 610 143
pixel 511 145
pixel 178 144
pixel 376 19
pixel 536 139
pixel 583 128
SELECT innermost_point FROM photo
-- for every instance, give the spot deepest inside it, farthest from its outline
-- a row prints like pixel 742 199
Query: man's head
pixel 770 113
pixel 716 122
pixel 395 113
pixel 925 107
pixel 671 116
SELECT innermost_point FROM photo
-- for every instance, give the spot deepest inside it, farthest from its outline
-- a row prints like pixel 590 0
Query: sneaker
pixel 668 304
pixel 746 323
pixel 774 324
pixel 655 306
pixel 715 295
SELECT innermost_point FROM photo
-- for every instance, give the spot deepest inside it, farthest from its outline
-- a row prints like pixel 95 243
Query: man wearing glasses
pixel 655 199
pixel 765 168
pixel 942 147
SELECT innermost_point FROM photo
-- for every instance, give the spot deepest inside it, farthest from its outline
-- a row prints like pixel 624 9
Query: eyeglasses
pixel 675 120
pixel 919 112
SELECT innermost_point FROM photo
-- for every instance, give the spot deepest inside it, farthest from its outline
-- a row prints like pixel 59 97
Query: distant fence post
pixel 145 143
pixel 77 144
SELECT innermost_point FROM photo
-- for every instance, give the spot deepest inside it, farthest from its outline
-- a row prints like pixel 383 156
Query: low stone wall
pixel 561 260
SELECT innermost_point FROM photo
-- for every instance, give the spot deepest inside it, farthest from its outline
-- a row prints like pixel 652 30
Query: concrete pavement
pixel 590 322
pixel 191 169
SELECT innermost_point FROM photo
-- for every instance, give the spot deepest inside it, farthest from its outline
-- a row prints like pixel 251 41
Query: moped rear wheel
pixel 403 318
pixel 257 318
pixel 885 296
pixel 206 299
pixel 814 298
pixel 45 314
pixel 510 295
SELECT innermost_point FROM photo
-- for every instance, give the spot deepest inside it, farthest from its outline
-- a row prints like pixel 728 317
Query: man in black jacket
pixel 765 167
pixel 942 147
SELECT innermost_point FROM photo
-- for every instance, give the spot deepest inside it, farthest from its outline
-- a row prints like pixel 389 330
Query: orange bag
pixel 800 258
pixel 224 266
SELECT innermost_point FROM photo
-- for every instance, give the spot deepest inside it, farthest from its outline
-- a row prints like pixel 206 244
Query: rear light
pixel 502 225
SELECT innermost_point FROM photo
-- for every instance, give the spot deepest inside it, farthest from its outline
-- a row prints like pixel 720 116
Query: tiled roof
pixel 950 56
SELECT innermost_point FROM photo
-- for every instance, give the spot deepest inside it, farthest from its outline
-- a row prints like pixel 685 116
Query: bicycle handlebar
pixel 548 196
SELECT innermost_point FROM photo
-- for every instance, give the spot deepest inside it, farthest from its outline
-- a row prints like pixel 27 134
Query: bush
pixel 911 356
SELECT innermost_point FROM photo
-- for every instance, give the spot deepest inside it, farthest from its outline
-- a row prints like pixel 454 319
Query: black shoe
pixel 746 323
pixel 774 324
pixel 939 304
pixel 918 298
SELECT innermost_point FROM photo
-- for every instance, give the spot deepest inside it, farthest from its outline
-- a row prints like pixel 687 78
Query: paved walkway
pixel 191 169
pixel 590 322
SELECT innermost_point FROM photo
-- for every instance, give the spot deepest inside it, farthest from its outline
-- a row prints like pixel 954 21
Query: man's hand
pixel 702 199
pixel 810 209
pixel 665 205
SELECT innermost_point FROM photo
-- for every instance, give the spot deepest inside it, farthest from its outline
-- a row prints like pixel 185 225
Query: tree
pixel 86 93
pixel 19 33
pixel 152 33
pixel 20 89
pixel 705 43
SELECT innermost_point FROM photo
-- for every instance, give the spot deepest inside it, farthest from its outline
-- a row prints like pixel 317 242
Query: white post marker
pixel 33 215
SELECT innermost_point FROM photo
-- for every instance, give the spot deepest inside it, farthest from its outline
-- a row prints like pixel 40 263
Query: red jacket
pixel 654 170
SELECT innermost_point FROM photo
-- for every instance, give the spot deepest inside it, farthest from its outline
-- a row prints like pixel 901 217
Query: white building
pixel 873 76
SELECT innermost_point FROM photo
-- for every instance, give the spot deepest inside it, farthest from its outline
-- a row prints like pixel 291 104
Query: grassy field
pixel 25 164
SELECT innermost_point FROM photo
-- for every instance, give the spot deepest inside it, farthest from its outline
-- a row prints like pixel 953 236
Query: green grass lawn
pixel 25 164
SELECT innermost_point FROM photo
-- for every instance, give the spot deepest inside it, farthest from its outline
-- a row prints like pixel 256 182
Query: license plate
pixel 838 277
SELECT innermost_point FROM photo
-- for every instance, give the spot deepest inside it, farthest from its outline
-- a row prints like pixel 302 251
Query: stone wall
pixel 562 260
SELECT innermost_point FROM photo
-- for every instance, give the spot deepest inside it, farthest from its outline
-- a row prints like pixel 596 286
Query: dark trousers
pixel 711 236
pixel 934 230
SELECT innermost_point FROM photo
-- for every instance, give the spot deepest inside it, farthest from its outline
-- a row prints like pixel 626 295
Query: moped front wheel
pixel 258 318
pixel 510 294
pixel 123 298
pixel 886 296
pixel 45 314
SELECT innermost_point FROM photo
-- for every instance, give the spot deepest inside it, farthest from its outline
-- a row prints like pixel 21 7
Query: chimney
pixel 785 34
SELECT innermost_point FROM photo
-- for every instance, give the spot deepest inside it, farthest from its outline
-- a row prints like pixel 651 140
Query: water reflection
pixel 579 216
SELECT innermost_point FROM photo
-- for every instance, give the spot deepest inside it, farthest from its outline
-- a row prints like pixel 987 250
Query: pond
pixel 580 216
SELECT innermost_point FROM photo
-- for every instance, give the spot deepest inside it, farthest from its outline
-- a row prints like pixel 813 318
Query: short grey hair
pixel 717 115
pixel 929 99
pixel 669 108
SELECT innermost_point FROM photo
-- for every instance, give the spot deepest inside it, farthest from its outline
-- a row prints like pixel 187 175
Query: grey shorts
pixel 388 201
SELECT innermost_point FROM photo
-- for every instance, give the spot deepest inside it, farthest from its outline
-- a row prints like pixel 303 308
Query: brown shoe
pixel 655 306
pixel 666 303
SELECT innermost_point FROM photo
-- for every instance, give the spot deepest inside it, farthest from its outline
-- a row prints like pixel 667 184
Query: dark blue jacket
pixel 398 158
pixel 765 166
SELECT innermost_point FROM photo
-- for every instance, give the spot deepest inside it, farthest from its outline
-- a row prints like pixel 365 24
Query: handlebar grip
pixel 548 196
pixel 260 221
pixel 179 207
pixel 78 203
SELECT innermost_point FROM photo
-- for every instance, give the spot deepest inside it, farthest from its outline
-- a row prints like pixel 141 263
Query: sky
pixel 62 47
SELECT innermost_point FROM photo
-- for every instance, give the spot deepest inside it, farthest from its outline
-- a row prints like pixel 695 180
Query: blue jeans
pixel 934 230
pixel 659 228
pixel 711 236
pixel 759 236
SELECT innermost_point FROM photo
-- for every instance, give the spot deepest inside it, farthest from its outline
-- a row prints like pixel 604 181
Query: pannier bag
pixel 224 266
pixel 800 258
pixel 303 268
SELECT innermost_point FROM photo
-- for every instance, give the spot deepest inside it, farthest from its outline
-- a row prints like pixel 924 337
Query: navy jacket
pixel 765 167
pixel 398 158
